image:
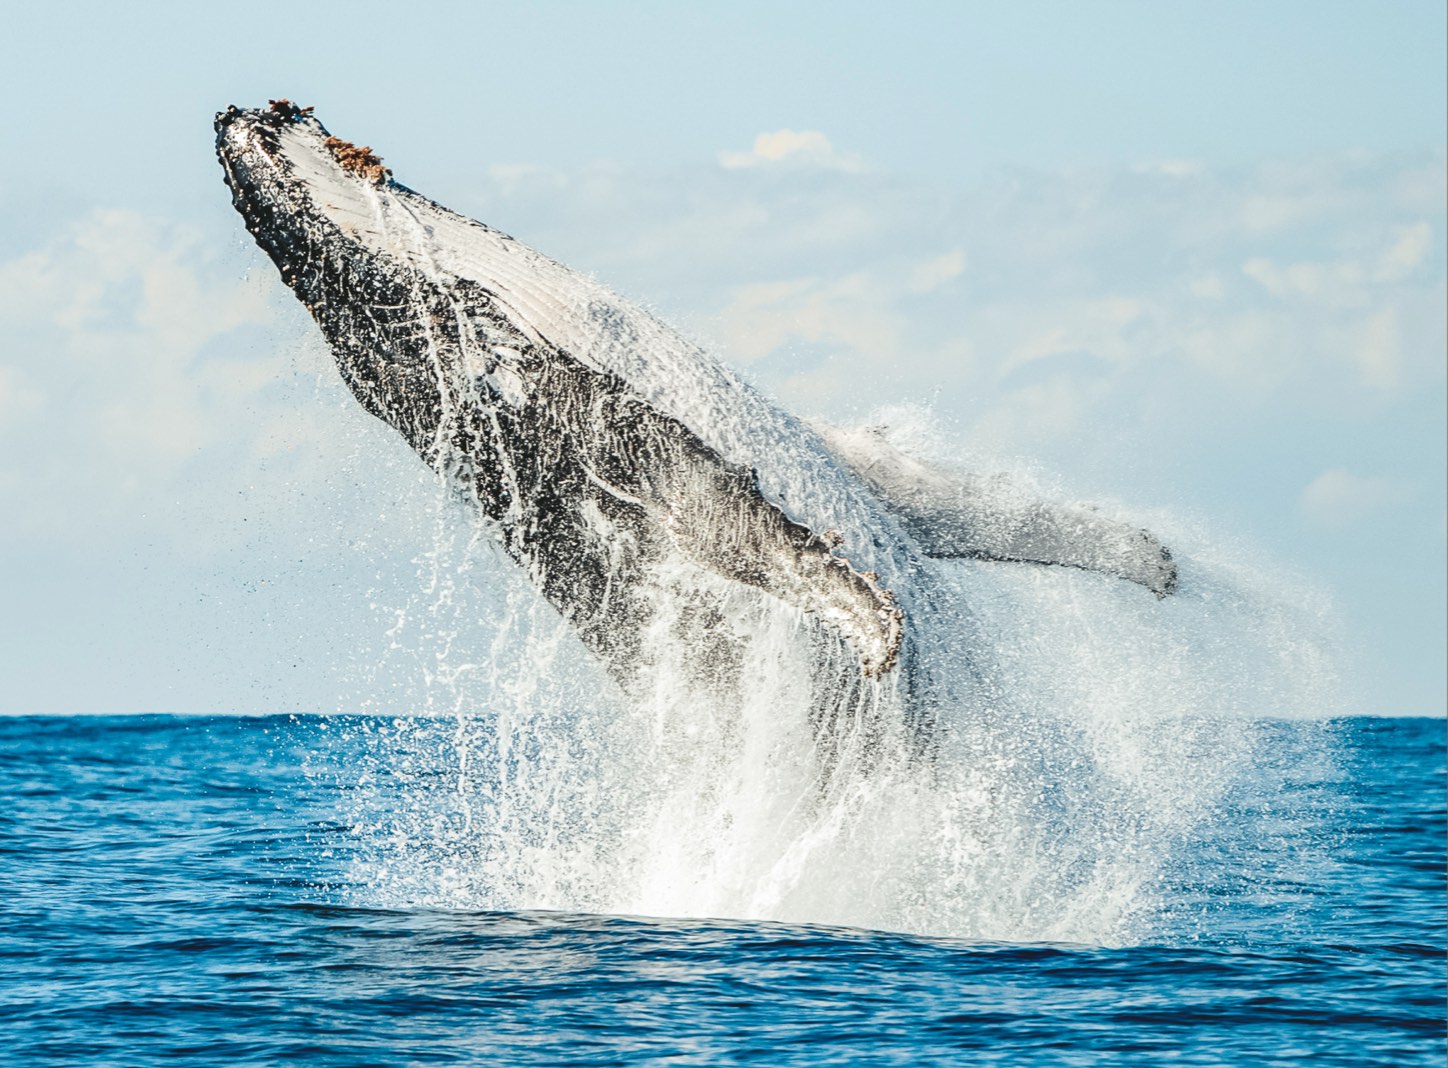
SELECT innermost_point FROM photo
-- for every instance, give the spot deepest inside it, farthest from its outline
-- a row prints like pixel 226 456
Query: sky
pixel 1185 256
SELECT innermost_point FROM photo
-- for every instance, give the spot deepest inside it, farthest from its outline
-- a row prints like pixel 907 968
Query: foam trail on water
pixel 1101 733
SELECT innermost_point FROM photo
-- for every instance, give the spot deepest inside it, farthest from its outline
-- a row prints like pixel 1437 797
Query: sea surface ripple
pixel 175 890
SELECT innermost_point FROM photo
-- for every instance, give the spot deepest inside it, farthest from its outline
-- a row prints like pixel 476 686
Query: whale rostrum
pixel 637 481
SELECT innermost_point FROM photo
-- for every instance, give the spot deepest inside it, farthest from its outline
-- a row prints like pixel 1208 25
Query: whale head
pixel 312 203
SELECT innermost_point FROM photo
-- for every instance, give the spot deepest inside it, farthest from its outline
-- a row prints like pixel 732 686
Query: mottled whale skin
pixel 643 487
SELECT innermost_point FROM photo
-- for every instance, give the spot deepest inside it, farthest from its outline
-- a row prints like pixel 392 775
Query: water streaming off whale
pixel 1108 736
pixel 683 660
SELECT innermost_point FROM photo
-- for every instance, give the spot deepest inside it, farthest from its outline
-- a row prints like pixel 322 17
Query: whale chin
pixel 662 506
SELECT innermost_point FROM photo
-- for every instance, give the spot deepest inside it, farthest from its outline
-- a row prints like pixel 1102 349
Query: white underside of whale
pixel 546 300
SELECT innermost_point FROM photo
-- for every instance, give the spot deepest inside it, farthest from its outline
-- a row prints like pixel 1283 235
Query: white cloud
pixel 808 148
pixel 513 178
pixel 112 367
pixel 932 274
pixel 1342 283
pixel 1265 212
pixel 1173 168
pixel 1379 351
pixel 1108 319
pixel 1283 195
pixel 1418 189
pixel 1254 353
pixel 1156 293
pixel 1346 282
pixel 1096 327
pixel 1207 286
pixel 850 312
pixel 19 396
pixel 1407 253
pixel 1037 413
pixel 1338 497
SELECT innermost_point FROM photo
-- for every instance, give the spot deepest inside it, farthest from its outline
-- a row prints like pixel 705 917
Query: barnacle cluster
pixel 361 161
pixel 285 109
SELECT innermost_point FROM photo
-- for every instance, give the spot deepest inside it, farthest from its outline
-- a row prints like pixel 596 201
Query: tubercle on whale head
pixel 272 159
pixel 288 111
pixel 249 139
pixel 259 175
pixel 260 163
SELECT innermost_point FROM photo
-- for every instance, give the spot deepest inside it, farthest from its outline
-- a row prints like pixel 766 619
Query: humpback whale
pixel 653 497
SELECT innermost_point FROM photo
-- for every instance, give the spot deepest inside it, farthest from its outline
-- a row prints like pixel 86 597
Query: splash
pixel 903 737
pixel 1100 736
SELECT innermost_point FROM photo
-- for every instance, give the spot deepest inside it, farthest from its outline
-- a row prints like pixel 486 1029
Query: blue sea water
pixel 185 890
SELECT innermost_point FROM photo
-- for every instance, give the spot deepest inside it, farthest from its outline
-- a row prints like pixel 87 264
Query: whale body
pixel 654 498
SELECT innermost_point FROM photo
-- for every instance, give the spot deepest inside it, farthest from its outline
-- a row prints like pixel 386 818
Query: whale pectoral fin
pixel 720 517
pixel 953 515
pixel 983 528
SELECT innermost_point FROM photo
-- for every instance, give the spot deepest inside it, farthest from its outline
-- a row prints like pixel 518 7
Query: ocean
pixel 335 891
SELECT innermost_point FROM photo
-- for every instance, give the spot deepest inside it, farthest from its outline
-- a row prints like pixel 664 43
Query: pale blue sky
pixel 1185 255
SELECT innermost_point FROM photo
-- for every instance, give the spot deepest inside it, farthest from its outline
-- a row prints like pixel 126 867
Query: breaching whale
pixel 651 495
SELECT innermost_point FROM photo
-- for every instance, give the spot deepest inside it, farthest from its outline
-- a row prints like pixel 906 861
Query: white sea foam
pixel 1099 733
pixel 1085 730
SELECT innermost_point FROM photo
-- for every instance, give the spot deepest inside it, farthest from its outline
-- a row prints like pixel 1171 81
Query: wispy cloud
pixel 1038 308
pixel 120 371
pixel 1173 168
pixel 1338 497
pixel 1049 314
pixel 800 148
